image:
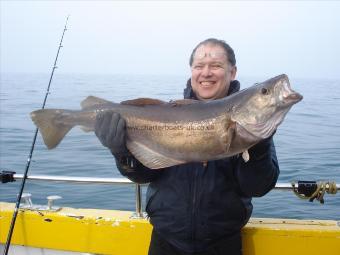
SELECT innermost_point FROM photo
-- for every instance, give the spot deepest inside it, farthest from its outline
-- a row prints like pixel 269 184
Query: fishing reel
pixel 312 190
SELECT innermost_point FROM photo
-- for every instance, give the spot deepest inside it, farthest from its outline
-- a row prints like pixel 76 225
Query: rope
pixel 321 188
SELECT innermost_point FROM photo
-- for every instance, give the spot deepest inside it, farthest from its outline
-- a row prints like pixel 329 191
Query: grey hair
pixel 228 50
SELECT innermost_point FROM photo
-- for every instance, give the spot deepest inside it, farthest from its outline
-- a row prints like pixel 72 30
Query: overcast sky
pixel 301 38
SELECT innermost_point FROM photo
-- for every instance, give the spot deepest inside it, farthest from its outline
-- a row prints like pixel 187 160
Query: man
pixel 199 207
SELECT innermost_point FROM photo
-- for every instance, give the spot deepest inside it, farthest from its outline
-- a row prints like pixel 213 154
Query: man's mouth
pixel 207 83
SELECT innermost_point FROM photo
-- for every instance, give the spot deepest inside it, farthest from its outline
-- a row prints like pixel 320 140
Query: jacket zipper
pixel 194 199
pixel 193 203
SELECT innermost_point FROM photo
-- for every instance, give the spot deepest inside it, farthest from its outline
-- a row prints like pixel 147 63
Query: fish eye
pixel 264 91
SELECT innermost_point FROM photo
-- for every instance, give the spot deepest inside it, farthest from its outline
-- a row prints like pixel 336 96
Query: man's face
pixel 211 72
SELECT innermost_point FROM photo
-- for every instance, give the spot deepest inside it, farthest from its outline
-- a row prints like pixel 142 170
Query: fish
pixel 162 134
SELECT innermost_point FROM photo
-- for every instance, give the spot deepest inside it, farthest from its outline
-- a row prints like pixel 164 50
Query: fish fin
pixel 150 158
pixel 50 125
pixel 245 156
pixel 183 102
pixel 143 102
pixel 228 136
pixel 92 101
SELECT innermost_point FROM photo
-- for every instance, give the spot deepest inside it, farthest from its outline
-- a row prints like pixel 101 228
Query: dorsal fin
pixel 143 101
pixel 91 101
pixel 183 102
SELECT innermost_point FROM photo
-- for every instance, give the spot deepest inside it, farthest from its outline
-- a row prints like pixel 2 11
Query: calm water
pixel 308 142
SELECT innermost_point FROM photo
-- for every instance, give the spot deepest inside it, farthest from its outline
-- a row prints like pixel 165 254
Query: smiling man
pixel 199 207
pixel 213 67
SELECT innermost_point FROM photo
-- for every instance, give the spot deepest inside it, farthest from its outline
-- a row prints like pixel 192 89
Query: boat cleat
pixel 28 204
pixel 50 201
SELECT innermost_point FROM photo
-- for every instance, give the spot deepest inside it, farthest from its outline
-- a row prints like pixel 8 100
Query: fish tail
pixel 52 125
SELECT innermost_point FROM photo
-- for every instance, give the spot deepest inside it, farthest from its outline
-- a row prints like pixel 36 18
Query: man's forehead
pixel 210 52
pixel 210 46
pixel 211 61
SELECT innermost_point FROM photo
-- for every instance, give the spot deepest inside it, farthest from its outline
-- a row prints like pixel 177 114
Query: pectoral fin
pixel 228 136
pixel 149 157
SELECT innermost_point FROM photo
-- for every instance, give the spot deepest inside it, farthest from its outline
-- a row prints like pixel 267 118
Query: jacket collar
pixel 190 94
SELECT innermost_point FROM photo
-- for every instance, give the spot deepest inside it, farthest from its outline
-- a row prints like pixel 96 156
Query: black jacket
pixel 193 206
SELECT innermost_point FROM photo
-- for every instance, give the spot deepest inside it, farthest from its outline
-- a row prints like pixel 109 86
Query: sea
pixel 307 142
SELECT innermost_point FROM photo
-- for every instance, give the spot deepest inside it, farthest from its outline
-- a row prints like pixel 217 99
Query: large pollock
pixel 162 134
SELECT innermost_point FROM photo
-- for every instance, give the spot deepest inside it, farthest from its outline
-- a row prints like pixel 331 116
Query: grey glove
pixel 110 130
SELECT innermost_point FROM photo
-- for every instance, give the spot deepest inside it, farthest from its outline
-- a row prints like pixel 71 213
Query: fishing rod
pixel 17 205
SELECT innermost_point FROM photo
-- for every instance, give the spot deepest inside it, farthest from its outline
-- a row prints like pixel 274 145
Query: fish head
pixel 262 108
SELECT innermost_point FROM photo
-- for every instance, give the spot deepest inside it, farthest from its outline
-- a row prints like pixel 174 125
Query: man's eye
pixel 198 67
pixel 216 67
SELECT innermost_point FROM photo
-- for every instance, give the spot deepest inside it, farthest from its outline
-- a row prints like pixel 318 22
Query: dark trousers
pixel 159 246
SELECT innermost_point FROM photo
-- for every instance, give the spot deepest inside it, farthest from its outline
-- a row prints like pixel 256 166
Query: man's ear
pixel 233 72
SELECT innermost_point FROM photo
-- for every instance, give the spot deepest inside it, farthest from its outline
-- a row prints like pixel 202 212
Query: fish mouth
pixel 286 95
pixel 293 97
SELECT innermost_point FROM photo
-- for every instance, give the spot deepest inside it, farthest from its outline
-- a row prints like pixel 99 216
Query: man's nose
pixel 206 71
